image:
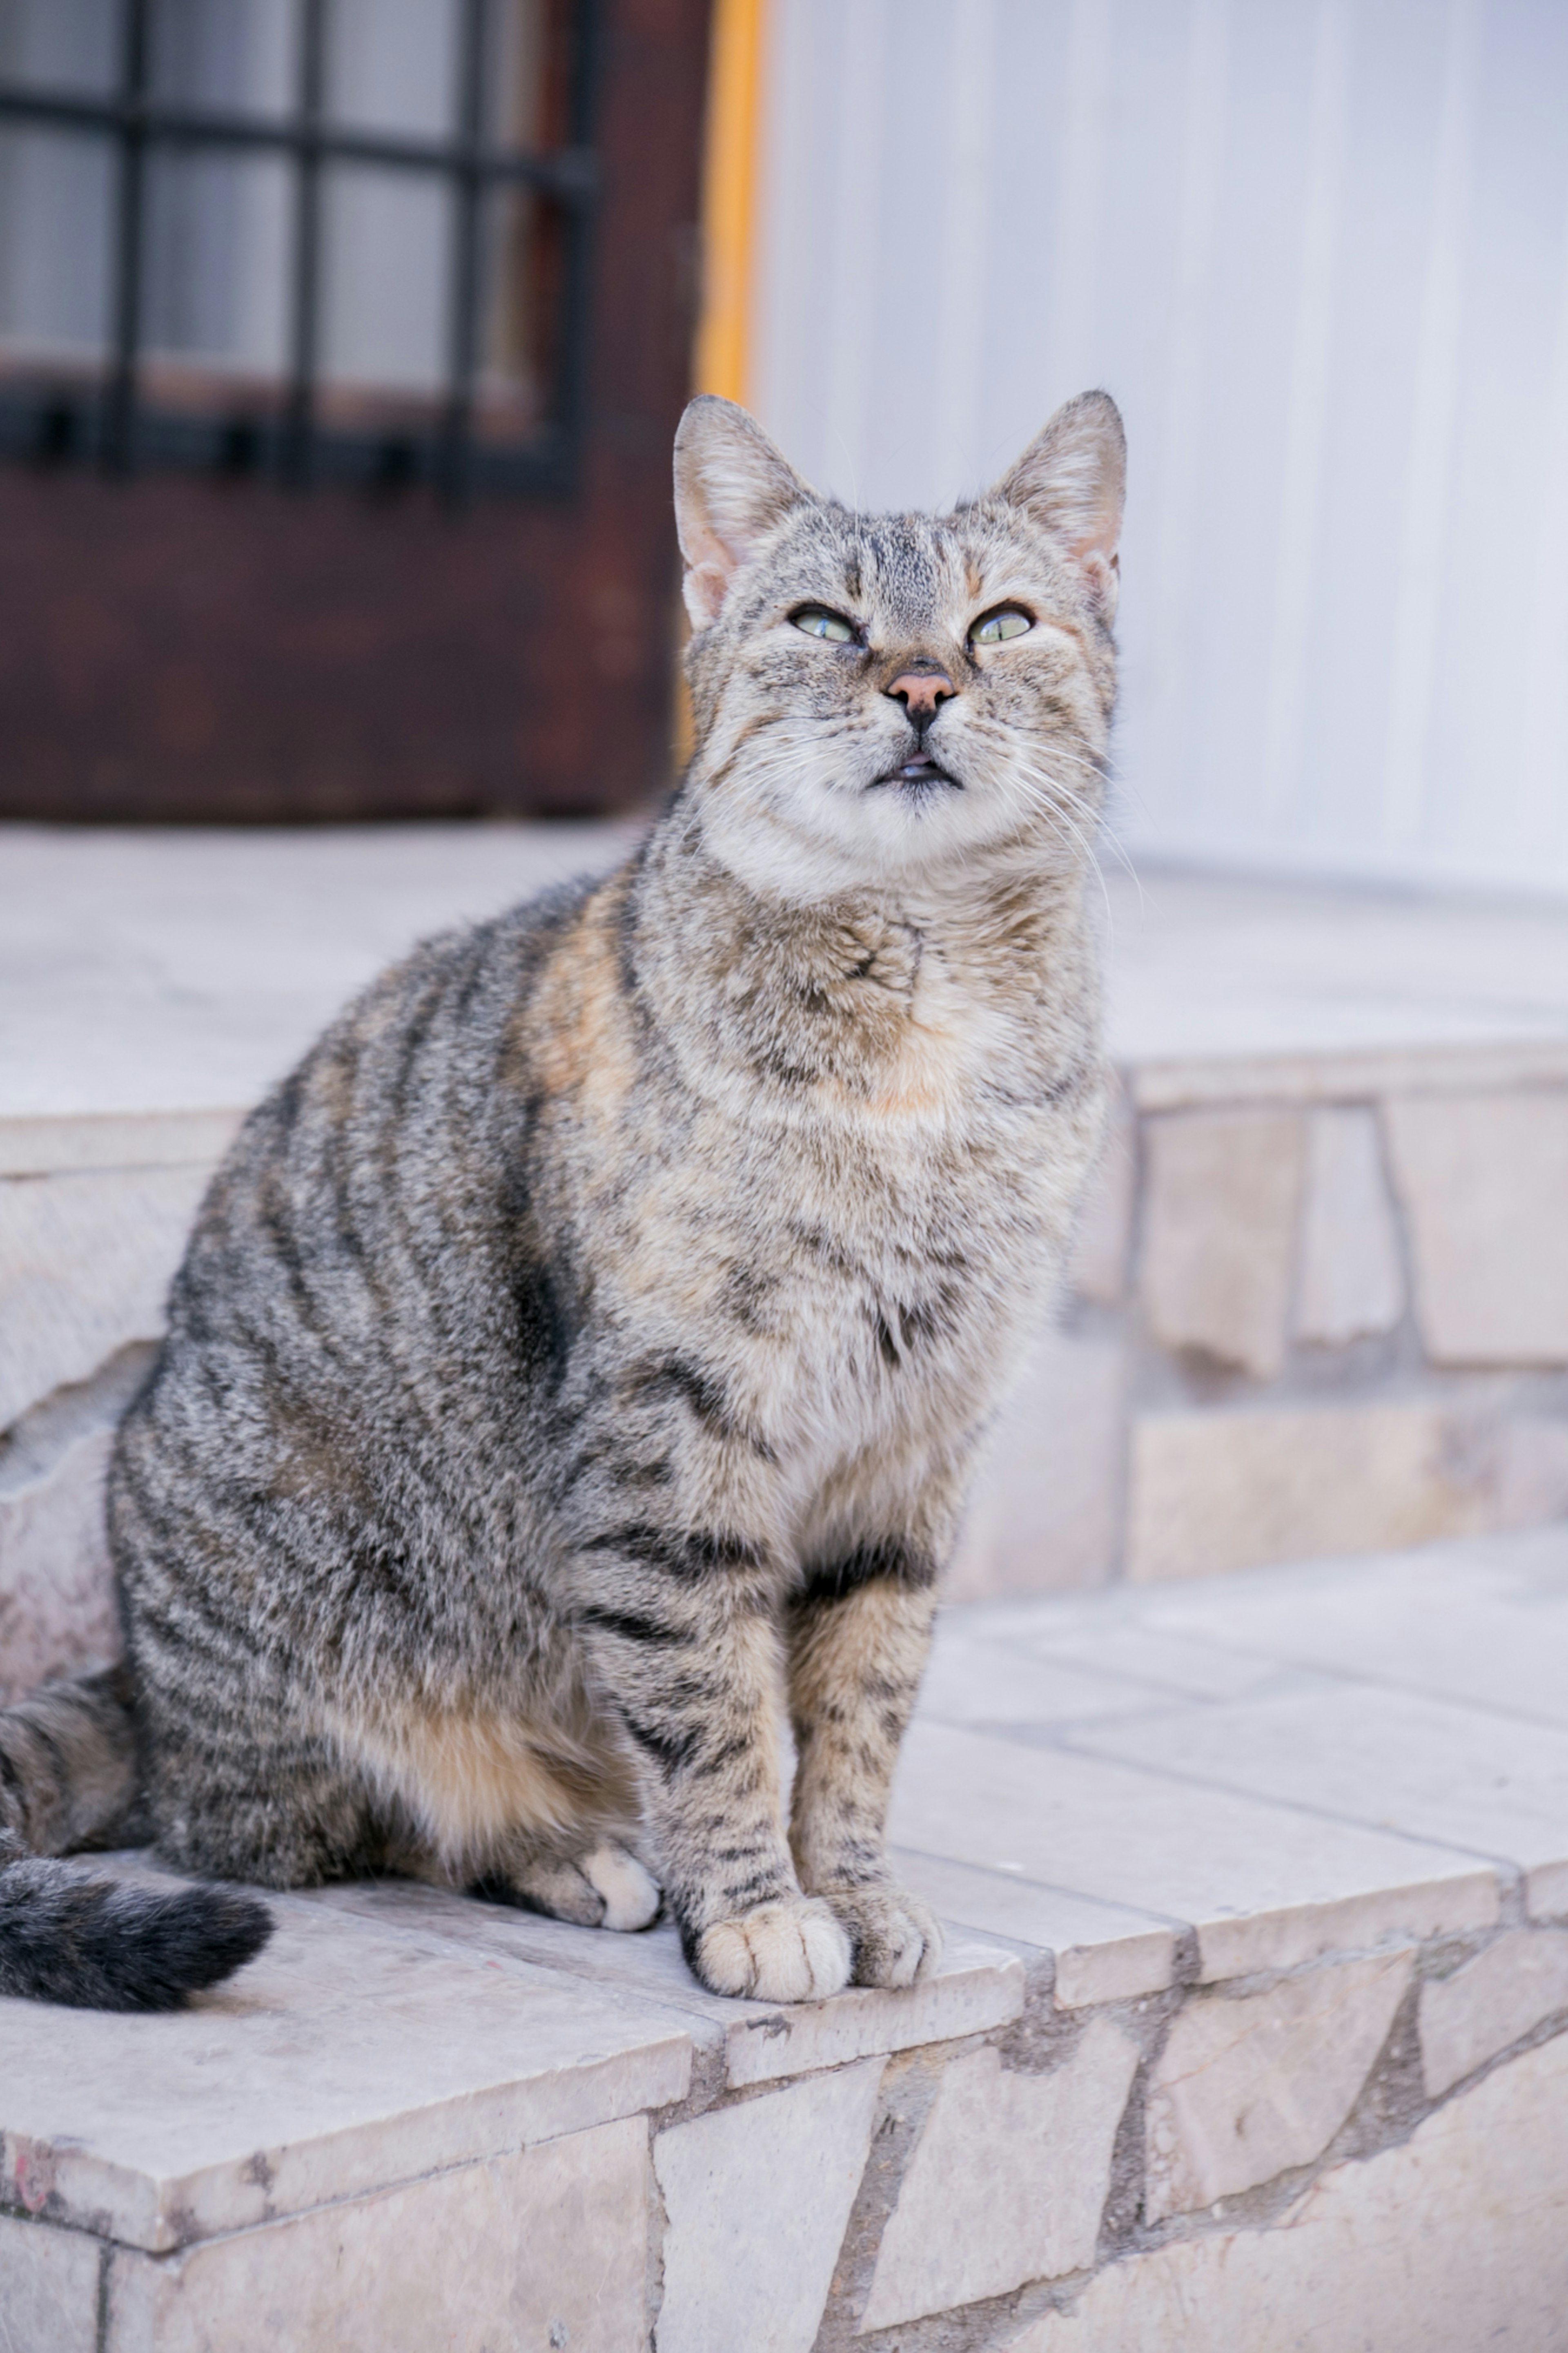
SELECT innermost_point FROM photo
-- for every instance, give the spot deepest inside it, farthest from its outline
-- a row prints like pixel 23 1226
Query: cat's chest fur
pixel 849 1185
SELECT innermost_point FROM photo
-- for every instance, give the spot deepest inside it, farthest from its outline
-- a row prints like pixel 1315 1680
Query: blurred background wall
pixel 1318 251
pixel 342 341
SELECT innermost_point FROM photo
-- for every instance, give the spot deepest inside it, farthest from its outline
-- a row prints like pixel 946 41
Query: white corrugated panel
pixel 1318 251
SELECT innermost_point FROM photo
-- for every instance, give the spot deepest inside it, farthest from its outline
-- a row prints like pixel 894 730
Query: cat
pixel 583 1353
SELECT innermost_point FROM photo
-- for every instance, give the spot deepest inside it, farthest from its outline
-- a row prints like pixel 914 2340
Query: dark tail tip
pixel 101 1944
pixel 180 1943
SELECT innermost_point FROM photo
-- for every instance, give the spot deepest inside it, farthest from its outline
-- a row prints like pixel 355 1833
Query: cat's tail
pixel 67 1778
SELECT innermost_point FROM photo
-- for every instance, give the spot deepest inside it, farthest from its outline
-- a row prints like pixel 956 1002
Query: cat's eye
pixel 818 622
pixel 995 629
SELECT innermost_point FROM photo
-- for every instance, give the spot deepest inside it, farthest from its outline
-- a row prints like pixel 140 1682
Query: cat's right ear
pixel 731 486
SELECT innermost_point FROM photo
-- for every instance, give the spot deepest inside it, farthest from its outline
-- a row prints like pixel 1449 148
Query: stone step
pixel 1321 1301
pixel 1250 2034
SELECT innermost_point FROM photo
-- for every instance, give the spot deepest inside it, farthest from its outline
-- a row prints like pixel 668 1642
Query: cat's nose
pixel 922 692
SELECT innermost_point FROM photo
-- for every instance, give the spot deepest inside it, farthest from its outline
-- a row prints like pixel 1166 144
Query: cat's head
pixel 880 697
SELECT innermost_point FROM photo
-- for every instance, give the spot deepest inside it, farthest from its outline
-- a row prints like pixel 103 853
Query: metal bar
pixel 584 86
pixel 569 174
pixel 566 175
pixel 456 427
pixel 169 438
pixel 570 390
pixel 120 399
pixel 298 451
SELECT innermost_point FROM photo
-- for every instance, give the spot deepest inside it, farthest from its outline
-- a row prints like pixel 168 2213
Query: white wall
pixel 1318 251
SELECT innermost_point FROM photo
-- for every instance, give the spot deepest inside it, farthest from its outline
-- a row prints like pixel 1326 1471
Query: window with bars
pixel 340 239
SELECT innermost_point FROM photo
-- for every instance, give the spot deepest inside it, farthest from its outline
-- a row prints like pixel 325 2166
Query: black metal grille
pixel 115 425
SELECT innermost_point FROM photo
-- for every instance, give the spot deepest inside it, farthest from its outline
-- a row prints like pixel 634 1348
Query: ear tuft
pixel 731 487
pixel 1072 481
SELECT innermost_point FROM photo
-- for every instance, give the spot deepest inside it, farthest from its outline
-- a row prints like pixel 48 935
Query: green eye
pixel 997 627
pixel 818 622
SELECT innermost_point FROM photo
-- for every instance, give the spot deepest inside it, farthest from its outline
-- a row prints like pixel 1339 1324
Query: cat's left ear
pixel 1072 479
pixel 731 487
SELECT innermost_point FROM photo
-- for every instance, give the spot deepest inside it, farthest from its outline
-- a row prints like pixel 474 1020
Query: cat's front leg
pixel 858 1635
pixel 681 1630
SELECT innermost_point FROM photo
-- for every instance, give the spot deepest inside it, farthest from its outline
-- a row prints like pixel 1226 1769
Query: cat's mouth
pixel 922 770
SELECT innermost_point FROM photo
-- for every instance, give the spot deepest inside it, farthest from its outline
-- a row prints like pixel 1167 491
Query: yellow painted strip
pixel 729 198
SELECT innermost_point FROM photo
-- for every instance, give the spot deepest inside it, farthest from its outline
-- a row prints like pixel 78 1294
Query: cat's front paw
pixel 790 1951
pixel 896 1940
pixel 602 1887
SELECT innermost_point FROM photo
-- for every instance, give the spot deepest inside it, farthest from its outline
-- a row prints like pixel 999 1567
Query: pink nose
pixel 921 691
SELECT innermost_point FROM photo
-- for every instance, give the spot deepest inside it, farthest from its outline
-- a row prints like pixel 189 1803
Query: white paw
pixel 794 1951
pixel 631 1897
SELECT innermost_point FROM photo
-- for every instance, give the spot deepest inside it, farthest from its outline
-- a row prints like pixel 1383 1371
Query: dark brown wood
pixel 184 649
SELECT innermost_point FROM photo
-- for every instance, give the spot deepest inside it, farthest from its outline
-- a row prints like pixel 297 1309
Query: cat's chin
pixel 885 836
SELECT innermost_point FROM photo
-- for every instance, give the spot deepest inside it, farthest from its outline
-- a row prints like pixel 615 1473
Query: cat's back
pixel 358 1275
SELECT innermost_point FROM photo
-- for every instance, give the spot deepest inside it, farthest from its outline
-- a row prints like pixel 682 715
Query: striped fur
pixel 579 1360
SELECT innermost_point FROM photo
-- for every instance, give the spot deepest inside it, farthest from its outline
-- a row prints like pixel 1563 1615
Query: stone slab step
pixel 1252 2030
pixel 1321 1299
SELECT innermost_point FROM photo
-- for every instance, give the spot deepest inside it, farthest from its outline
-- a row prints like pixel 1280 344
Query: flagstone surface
pixel 1250 2032
pixel 1245 2026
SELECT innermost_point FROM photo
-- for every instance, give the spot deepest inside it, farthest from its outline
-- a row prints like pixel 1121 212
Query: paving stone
pixel 168 969
pixel 342 2060
pixel 1248 2087
pixel 58 1611
pixel 1397 1761
pixel 1266 1887
pixel 975 1986
pixel 1239 1487
pixel 756 2198
pixel 1455 2240
pixel 1104 1952
pixel 541 2247
pixel 969 1681
pixel 1230 967
pixel 1025 1619
pixel 1047 1511
pixel 48 2289
pixel 153 1139
pixel 1163 1664
pixel 1352 1280
pixel 1007 2181
pixel 1483 1179
pixel 1319 1075
pixel 1112 1967
pixel 1504 1992
pixel 1434 1623
pixel 1546 1891
pixel 86 1261
pixel 1219 1233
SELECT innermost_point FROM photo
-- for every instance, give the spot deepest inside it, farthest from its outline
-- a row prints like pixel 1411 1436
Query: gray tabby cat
pixel 587 1347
